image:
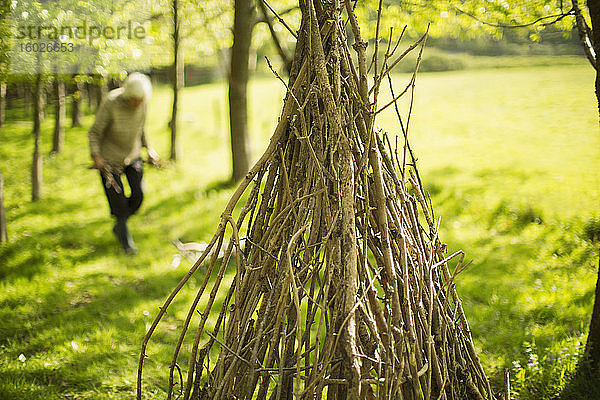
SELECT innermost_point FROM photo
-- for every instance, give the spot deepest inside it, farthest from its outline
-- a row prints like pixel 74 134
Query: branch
pixel 557 17
pixel 279 18
pixel 584 35
pixel 282 52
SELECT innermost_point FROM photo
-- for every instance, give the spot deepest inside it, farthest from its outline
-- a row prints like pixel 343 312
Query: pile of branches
pixel 341 287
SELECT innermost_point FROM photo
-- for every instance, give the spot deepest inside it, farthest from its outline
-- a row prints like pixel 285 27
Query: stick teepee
pixel 341 285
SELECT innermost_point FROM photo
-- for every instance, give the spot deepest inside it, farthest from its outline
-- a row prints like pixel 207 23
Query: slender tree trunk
pixel 25 92
pixel 592 346
pixel 58 139
pixel 43 102
pixel 594 8
pixel 111 83
pixel 3 228
pixel 76 103
pixel 36 168
pixel 96 91
pixel 90 89
pixel 102 91
pixel 2 103
pixel 177 78
pixel 238 81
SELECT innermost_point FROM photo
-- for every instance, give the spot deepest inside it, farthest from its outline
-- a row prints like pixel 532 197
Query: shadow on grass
pixel 177 201
pixel 220 185
pixel 97 312
pixel 174 202
pixel 46 206
pixel 70 244
pixel 187 215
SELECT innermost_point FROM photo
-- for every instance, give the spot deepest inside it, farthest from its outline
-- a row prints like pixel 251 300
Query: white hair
pixel 137 86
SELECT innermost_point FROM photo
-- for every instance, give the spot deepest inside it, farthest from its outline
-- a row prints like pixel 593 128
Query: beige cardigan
pixel 117 134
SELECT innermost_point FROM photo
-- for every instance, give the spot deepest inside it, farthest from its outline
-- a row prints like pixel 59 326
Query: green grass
pixel 512 159
pixel 510 156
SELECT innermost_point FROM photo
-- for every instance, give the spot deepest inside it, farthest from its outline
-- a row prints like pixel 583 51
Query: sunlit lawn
pixel 511 158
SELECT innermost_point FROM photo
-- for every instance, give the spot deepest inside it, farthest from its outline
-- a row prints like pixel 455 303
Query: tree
pixel 2 103
pixel 177 79
pixel 3 227
pixel 77 99
pixel 197 32
pixel 32 65
pixel 592 46
pixel 36 168
pixel 199 26
pixel 4 57
pixel 243 23
pixel 341 283
pixel 58 137
pixel 592 345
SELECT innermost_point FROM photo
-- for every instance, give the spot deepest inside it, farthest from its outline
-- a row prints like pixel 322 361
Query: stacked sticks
pixel 341 287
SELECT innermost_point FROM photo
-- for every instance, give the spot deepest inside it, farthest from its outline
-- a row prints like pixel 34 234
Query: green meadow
pixel 510 157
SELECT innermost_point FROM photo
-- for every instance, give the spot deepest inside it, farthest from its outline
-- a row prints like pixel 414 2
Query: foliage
pixel 472 19
pixel 4 39
pixel 557 372
pixel 81 36
pixel 543 375
pixel 204 30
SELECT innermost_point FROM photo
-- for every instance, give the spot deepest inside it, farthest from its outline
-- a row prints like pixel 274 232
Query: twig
pixel 280 19
pixel 555 18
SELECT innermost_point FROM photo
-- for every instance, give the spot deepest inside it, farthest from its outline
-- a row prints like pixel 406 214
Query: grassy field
pixel 511 158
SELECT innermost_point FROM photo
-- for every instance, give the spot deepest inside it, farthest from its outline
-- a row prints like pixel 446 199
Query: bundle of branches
pixel 342 287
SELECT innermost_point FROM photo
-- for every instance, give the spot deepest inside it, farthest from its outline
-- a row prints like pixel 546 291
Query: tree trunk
pixel 90 89
pixel 36 168
pixel 592 346
pixel 76 103
pixel 594 9
pixel 96 91
pixel 2 103
pixel 58 138
pixel 25 94
pixel 177 78
pixel 3 228
pixel 238 81
pixel 102 91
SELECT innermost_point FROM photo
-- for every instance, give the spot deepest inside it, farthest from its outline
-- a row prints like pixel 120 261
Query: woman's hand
pixel 98 161
pixel 153 157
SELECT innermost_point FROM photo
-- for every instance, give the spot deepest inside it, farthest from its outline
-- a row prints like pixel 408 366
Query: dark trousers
pixel 121 206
